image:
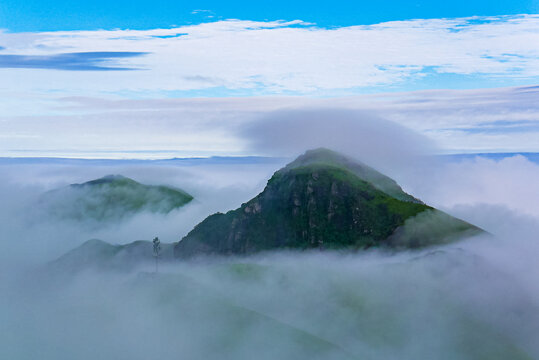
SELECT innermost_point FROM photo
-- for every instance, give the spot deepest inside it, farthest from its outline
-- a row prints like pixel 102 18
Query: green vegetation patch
pixel 112 198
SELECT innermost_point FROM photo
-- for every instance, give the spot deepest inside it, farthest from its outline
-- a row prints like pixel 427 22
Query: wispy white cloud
pixel 487 120
pixel 118 111
pixel 284 57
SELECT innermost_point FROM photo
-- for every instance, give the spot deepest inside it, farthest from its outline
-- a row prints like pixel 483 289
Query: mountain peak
pixel 111 198
pixel 323 199
pixel 323 157
pixel 318 156
pixel 320 153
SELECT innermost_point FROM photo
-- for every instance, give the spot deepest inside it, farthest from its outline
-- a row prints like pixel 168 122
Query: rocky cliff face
pixel 321 200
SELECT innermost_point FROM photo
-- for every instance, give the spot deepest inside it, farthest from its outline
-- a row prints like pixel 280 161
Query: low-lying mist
pixel 34 236
pixel 452 303
pixel 475 299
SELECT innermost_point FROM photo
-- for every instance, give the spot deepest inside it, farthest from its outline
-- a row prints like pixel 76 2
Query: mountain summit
pixel 324 200
pixel 324 157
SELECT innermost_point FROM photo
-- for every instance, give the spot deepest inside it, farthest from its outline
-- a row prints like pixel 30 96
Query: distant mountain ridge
pixel 98 254
pixel 324 200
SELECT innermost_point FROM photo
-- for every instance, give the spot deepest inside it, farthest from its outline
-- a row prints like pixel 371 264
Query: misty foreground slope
pixel 98 254
pixel 446 305
pixel 324 200
pixel 112 197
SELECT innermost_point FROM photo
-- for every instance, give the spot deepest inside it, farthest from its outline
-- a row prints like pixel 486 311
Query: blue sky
pixel 54 15
pixel 60 58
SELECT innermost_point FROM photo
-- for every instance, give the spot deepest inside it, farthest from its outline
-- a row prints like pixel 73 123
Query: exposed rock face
pixel 321 200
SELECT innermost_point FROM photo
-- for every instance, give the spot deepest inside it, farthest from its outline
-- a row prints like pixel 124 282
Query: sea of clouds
pixel 475 299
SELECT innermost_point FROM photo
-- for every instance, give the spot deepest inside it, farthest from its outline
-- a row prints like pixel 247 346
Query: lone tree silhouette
pixel 156 251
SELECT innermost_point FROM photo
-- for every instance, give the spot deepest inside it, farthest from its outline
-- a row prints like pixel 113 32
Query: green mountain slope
pixel 324 200
pixel 112 198
pixel 100 255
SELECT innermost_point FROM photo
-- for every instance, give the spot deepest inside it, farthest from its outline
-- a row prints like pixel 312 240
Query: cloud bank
pixel 453 121
pixel 279 57
pixel 477 298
